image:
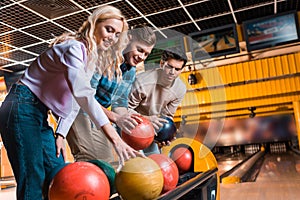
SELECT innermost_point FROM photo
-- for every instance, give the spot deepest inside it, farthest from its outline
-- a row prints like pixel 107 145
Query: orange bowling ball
pixel 140 178
pixel 79 180
pixel 169 170
pixel 183 158
pixel 141 136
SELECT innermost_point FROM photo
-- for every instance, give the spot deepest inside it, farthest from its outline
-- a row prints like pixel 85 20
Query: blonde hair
pixel 143 34
pixel 106 61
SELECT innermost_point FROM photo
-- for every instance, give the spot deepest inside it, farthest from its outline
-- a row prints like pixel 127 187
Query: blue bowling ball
pixel 166 132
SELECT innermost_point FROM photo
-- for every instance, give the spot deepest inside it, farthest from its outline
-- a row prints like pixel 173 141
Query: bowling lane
pixel 279 178
pixel 227 163
pixel 280 167
pixel 234 155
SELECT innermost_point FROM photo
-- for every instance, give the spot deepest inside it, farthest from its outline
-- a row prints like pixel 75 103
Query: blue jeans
pixel 29 141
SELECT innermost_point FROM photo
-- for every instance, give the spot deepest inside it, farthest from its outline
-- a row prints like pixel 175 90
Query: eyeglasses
pixel 171 67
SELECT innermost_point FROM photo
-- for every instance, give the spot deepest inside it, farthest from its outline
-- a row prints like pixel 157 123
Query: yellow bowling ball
pixel 140 178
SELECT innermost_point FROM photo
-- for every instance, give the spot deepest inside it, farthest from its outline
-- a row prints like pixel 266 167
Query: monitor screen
pixel 271 31
pixel 220 41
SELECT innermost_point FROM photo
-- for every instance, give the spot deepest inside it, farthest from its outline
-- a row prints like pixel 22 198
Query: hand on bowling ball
pixel 163 143
pixel 123 150
pixel 157 121
pixel 128 122
pixel 166 133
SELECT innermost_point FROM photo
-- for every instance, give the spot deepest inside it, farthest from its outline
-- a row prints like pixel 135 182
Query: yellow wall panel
pixel 222 74
pixel 218 78
pixel 248 90
pixel 253 75
pixel 260 90
pixel 252 70
pixel 228 74
pixel 259 69
pixel 278 66
pixel 246 71
pixel 297 83
pixel 211 81
pixel 297 61
pixel 277 86
pixel 265 89
pixel 254 83
pixel 265 67
pixel 256 89
pixel 285 64
pixel 292 83
pixel 287 84
pixel 242 90
pixel 240 72
pixel 271 66
pixel 291 63
pixel 233 70
pixel 272 85
pixel 204 75
pixel 201 82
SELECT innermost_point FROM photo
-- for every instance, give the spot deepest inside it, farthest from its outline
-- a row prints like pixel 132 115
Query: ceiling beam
pixel 187 12
pixel 275 6
pixel 231 10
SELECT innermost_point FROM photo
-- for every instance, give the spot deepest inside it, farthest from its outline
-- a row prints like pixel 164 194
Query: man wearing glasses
pixel 159 92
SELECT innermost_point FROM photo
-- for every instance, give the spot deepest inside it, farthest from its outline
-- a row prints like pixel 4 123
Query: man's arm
pixel 112 116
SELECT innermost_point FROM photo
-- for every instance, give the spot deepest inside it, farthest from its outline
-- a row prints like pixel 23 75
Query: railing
pixel 237 175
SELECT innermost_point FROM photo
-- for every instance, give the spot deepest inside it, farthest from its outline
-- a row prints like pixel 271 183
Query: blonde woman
pixel 59 80
pixel 83 138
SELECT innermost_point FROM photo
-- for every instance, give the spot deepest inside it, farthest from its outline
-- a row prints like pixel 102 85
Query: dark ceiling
pixel 27 26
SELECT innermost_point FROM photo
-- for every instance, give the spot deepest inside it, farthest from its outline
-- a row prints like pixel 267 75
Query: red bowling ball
pixel 183 158
pixel 169 170
pixel 79 180
pixel 167 131
pixel 141 136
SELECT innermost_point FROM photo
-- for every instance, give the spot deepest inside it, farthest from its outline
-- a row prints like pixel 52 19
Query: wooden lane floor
pixel 278 179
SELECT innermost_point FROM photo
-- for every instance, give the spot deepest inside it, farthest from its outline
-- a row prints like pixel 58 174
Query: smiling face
pixel 136 52
pixel 107 33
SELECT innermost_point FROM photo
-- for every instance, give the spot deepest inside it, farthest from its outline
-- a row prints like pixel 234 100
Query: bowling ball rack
pixel 192 185
pixel 202 181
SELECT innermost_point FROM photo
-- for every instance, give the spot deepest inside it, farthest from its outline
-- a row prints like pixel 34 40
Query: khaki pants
pixel 88 143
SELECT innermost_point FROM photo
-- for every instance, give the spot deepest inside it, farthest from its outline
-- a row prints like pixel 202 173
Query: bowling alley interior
pixel 238 126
